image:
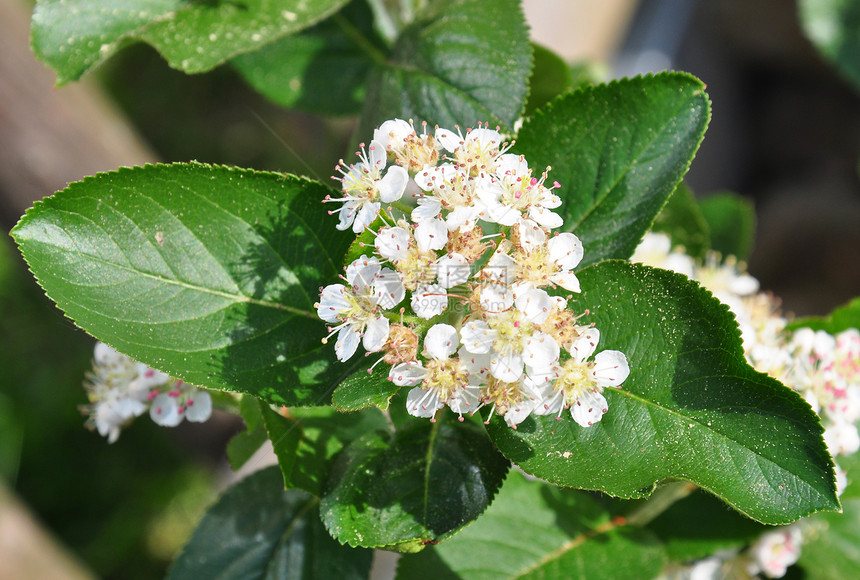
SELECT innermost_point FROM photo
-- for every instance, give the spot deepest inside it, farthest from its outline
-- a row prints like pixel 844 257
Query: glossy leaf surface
pixel 256 530
pixel 534 530
pixel 72 36
pixel 618 151
pixel 691 409
pixel 460 62
pixel 205 272
pixel 420 486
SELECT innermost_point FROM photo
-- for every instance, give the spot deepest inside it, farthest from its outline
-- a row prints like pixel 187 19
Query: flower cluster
pixel 460 254
pixel 825 369
pixel 120 389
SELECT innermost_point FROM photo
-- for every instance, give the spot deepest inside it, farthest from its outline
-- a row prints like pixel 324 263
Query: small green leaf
pixel 256 530
pixel 537 531
pixel 325 431
pixel 691 409
pixel 681 529
pixel 682 220
pixel 322 69
pixel 207 273
pixel 831 542
pixel 421 487
pixel 72 36
pixel 460 62
pixel 731 220
pixel 285 435
pixel 243 445
pixel 833 26
pixel 618 151
pixel 361 390
pixel 550 77
pixel 845 317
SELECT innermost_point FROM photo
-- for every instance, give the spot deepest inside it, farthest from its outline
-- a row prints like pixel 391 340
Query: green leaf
pixel 681 531
pixel 285 435
pixel 322 69
pixel 256 530
pixel 831 542
pixel 244 444
pixel 534 530
pixel 731 220
pixel 618 151
pixel 682 220
pixel 550 77
pixel 361 390
pixel 842 318
pixel 73 36
pixel 205 272
pixel 420 487
pixel 833 26
pixel 325 431
pixel 691 409
pixel 459 62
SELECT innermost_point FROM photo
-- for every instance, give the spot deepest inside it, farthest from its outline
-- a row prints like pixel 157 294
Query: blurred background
pixel 785 134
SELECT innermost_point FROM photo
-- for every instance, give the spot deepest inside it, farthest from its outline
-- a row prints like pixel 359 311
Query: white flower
pixel 451 188
pixel 364 188
pixel 510 335
pixel 356 308
pixel 842 438
pixel 514 194
pixel 181 402
pixel 534 265
pixel 579 383
pixel 444 380
pixel 515 400
pixel 775 551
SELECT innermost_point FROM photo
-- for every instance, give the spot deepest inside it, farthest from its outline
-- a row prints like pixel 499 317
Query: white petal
pixel 512 165
pixel 428 208
pixel 551 401
pixel 565 250
pixel 377 155
pixel 429 301
pixel 392 186
pixel 441 341
pixel 348 338
pixel 584 346
pixel 477 365
pixel 448 139
pixel 463 218
pixel 743 285
pixel 393 243
pixel 540 351
pixel 392 133
pixel 465 400
pixel 365 216
pixel 388 288
pixel 589 408
pixel 566 280
pixel 359 265
pixel 535 304
pixel 502 214
pixel 545 217
pixel 496 298
pixel 431 234
pixel 332 302
pixel 423 403
pixel 452 270
pixel 507 367
pixel 199 407
pixel 501 269
pixel 376 334
pixel 485 137
pixel 610 368
pixel 531 235
pixel 165 411
pixel 477 337
pixel 346 215
pixel 407 374
pixel 518 413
